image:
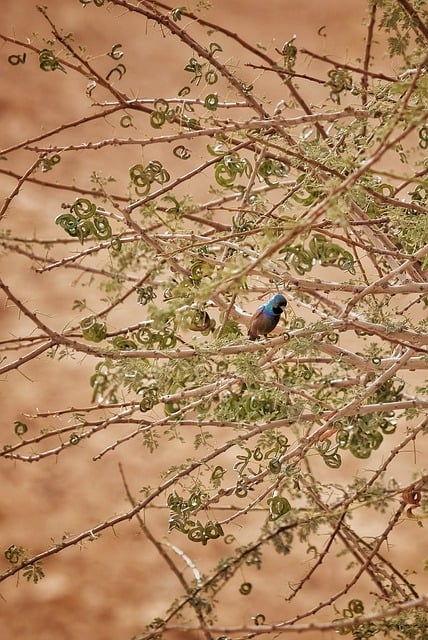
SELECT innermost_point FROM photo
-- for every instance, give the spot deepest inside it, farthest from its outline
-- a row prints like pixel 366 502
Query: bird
pixel 266 317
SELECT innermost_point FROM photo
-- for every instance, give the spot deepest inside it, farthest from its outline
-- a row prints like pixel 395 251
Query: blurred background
pixel 112 587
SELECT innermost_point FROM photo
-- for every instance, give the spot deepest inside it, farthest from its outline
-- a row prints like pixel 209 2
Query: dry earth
pixel 112 587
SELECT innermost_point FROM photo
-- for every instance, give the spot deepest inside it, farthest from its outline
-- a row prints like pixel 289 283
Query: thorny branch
pixel 232 199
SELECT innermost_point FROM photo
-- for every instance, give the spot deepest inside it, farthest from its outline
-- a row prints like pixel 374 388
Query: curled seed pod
pixel 200 269
pixel 144 336
pixel 387 427
pixel 145 294
pixel 68 222
pixel 245 588
pixel 157 119
pixel 278 507
pixel 161 105
pixel 213 530
pixel 120 70
pixel 342 438
pixel 334 461
pixel 124 344
pixel 229 539
pixel 149 400
pixel 356 606
pixel 47 164
pixel 13 554
pixel 83 208
pixel 412 497
pixel 214 48
pixel 172 114
pixel 332 337
pixel 340 80
pixel 197 534
pixel 48 61
pixel 167 340
pixel 423 137
pixel 93 330
pixel 211 102
pixel 347 262
pixel 15 59
pixel 162 176
pixel 275 465
pixel 171 407
pixel 116 245
pixel 20 428
pixel 272 168
pixel 116 52
pixel 98 381
pixel 199 321
pixel 241 490
pixel 301 259
pixel 139 179
pixel 218 473
pixel 193 66
pixel 258 454
pixel 316 245
pixel 211 76
pixel 85 228
pixel 88 322
pixel 298 323
pixel 177 13
pixel 181 152
pixel 330 254
pixel 126 121
pixel 102 229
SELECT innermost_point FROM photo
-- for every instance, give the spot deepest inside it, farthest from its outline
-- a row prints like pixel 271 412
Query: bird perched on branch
pixel 266 317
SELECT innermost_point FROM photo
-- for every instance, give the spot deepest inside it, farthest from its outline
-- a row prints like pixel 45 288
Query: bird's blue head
pixel 276 304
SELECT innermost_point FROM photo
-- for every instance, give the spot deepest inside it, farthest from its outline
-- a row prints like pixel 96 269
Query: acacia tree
pixel 226 199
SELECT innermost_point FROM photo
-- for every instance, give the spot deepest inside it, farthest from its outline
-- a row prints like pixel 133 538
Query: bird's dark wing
pixel 257 313
pixel 253 331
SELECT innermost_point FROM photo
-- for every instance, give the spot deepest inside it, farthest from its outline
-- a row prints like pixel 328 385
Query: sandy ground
pixel 112 587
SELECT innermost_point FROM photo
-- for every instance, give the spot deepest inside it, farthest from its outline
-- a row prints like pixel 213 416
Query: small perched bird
pixel 266 317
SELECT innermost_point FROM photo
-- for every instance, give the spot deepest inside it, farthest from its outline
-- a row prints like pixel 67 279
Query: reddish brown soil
pixel 112 587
